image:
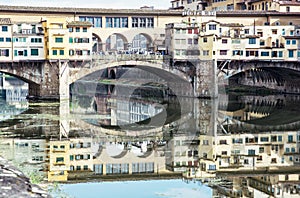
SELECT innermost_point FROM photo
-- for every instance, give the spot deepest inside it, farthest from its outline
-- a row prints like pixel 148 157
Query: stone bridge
pixel 50 79
pixel 101 62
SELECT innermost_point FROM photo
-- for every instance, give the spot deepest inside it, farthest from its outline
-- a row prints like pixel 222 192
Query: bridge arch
pixel 154 66
pixel 97 43
pixel 116 42
pixel 33 83
pixel 142 42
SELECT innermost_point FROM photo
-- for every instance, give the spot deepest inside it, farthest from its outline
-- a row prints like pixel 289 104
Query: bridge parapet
pixel 127 57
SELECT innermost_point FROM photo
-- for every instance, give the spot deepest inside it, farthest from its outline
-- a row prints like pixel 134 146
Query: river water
pixel 119 141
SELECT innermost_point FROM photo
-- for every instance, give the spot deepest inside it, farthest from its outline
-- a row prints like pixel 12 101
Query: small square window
pixel 58 40
pixel 4 29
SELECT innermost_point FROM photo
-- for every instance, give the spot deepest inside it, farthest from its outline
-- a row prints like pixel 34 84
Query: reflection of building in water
pixel 11 109
pixel 119 111
pixel 248 152
pixel 78 158
pixel 59 160
pixel 81 155
pixel 184 146
pixel 282 185
pixel 14 90
pixel 129 159
pixel 130 111
pixel 183 153
pixel 264 186
pixel 30 154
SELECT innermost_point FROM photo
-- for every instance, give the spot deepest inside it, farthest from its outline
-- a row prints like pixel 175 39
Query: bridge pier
pixel 54 82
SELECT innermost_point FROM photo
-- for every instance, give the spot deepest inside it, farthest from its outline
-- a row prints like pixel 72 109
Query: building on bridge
pixel 80 40
pixel 232 41
pixel 238 42
pixel 6 37
pixel 182 41
pixel 227 5
pixel 27 42
pixel 67 40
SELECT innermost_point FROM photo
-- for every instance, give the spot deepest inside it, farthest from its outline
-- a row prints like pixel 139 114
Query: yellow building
pixel 56 38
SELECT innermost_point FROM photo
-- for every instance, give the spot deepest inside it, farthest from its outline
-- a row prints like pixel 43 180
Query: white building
pixel 5 39
pixel 182 41
pixel 28 42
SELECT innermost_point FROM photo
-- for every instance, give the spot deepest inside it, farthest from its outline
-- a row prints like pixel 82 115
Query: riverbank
pixel 14 184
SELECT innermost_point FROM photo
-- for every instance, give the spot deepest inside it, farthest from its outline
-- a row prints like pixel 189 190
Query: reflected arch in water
pixel 168 101
pixel 261 113
pixel 111 73
pixel 120 150
pixel 115 150
pixel 280 79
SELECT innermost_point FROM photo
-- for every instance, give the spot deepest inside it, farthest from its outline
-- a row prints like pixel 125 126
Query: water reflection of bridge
pixel 242 113
pixel 260 113
pixel 184 139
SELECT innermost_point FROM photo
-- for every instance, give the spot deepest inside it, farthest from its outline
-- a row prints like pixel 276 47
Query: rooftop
pixel 5 21
pixel 79 23
pixel 70 10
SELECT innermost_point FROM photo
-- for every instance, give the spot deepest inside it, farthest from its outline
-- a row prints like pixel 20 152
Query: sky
pixel 134 4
